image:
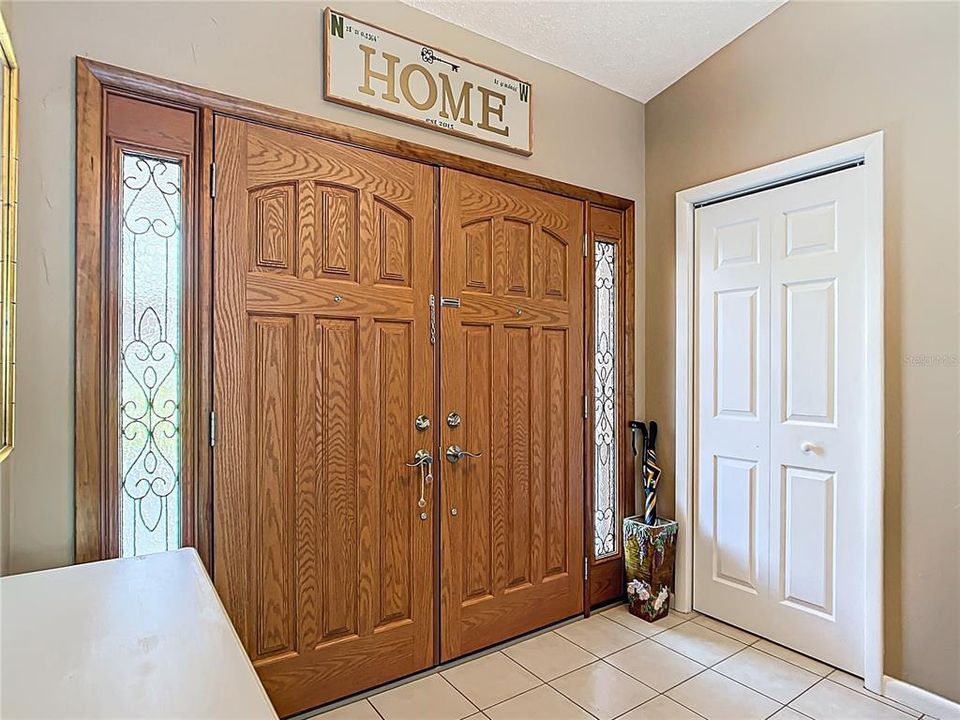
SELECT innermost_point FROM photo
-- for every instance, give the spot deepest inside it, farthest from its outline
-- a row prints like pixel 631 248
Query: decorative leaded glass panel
pixel 605 402
pixel 149 373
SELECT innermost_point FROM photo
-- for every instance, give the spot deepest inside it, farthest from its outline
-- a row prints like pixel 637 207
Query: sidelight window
pixel 606 476
pixel 142 411
pixel 150 319
pixel 609 379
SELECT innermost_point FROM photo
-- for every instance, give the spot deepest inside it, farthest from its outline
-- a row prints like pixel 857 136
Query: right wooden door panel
pixel 512 370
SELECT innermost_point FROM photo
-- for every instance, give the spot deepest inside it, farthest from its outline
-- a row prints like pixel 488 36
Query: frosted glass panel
pixel 605 400
pixel 149 373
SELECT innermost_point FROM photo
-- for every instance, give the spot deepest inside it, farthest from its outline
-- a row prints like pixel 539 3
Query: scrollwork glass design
pixel 605 401
pixel 150 347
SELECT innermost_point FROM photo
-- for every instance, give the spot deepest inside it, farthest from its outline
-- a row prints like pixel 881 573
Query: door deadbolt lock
pixel 422 423
pixel 453 419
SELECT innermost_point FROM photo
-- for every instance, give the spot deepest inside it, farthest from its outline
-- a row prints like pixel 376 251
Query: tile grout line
pixel 600 657
pixel 659 630
pixel 439 669
pixel 540 683
pixel 863 692
pixel 789 704
pixel 663 645
pixel 547 684
pixel 707 668
pixel 710 669
pixel 756 690
pixel 473 704
pixel 834 682
pixel 657 693
pixel 562 694
pixel 592 654
pixel 672 699
pixel 367 701
pixel 752 644
pixel 523 667
pixel 801 694
pixel 756 638
pixel 597 658
pixel 766 652
pixel 652 637
pixel 702 669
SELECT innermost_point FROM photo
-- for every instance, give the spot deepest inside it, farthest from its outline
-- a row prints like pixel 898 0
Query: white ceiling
pixel 635 47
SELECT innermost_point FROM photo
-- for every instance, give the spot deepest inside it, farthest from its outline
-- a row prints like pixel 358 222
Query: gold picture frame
pixel 9 152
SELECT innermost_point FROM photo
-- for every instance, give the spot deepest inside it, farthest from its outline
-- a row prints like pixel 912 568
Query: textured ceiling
pixel 636 48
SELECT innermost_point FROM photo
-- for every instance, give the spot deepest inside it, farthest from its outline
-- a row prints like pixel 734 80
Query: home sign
pixel 372 69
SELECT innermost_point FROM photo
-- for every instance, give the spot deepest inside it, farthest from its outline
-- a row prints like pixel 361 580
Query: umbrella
pixel 650 473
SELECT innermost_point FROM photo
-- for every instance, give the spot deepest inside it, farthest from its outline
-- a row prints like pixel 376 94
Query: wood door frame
pixel 605 575
pixel 100 74
pixel 869 150
pixel 95 501
pixel 94 80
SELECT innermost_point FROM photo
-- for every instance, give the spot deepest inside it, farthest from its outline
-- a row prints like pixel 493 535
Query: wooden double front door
pixel 339 320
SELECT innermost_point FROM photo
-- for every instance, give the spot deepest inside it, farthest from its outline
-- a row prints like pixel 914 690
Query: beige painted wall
pixel 266 51
pixel 811 75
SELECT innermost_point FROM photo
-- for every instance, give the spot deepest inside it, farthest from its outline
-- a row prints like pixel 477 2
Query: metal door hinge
pixel 213 428
pixel 433 320
pixel 586 241
pixel 213 179
pixel 586 567
pixel 586 407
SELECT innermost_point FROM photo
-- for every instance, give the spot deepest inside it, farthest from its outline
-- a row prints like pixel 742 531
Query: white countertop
pixel 134 638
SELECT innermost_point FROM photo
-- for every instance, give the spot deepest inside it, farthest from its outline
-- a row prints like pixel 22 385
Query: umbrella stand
pixel 649 543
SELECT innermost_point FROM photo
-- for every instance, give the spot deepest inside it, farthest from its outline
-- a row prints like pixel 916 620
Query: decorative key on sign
pixel 430 57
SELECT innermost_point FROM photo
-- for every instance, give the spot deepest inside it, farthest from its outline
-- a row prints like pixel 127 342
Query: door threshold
pixel 377 689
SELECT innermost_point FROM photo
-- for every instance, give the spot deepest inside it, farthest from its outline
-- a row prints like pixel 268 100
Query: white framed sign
pixel 372 69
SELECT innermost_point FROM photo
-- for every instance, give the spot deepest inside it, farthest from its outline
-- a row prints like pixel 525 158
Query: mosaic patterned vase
pixel 650 552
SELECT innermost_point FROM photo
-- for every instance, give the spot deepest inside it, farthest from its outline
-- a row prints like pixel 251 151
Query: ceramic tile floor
pixel 614 665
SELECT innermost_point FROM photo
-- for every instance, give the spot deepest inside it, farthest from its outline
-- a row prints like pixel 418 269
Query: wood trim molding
pixel 88 410
pixel 149 86
pixel 606 576
pixel 95 80
pixel 99 144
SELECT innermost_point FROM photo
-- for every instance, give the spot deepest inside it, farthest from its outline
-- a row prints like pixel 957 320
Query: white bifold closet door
pixel 779 545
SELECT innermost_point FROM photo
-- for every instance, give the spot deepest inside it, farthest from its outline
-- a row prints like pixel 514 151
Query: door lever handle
pixel 455 452
pixel 420 458
pixel 424 461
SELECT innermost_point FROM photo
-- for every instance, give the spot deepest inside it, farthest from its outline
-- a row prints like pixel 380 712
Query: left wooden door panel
pixel 323 359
